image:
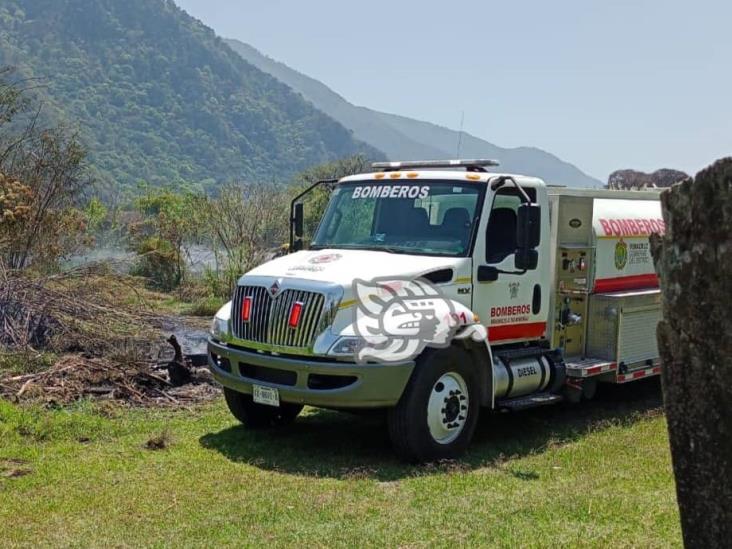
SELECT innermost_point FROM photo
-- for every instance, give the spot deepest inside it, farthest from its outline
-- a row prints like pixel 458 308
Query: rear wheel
pixel 437 414
pixel 259 416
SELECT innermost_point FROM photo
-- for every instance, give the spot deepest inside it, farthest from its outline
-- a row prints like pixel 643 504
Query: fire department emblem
pixel 274 289
pixel 325 258
pixel 621 255
pixel 513 289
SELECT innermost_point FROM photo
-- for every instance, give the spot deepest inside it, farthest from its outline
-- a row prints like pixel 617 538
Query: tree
pixel 246 222
pixel 170 222
pixel 49 164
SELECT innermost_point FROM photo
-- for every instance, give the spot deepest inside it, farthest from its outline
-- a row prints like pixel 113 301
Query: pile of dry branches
pixel 74 311
pixel 74 376
pixel 110 344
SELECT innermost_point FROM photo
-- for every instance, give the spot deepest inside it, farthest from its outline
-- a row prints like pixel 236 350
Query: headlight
pixel 219 328
pixel 347 346
pixel 220 323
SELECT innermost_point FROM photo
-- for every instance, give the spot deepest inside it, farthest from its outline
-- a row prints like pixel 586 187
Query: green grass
pixel 598 474
pixel 205 306
pixel 25 362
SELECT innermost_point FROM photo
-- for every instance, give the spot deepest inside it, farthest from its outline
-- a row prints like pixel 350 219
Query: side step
pixel 528 401
pixel 588 367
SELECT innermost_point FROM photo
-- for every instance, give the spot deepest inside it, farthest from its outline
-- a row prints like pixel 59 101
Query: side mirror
pixel 526 259
pixel 528 236
pixel 296 227
pixel 486 273
pixel 528 226
pixel 297 220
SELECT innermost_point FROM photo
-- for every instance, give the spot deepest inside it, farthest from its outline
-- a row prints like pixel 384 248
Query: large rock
pixel 635 180
pixel 694 262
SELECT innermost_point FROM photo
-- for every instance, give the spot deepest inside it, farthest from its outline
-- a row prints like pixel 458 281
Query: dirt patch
pixel 159 442
pixel 14 468
pixel 15 473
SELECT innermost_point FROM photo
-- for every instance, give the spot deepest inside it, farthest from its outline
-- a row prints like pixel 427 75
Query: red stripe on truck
pixel 602 368
pixel 524 330
pixel 638 374
pixel 633 282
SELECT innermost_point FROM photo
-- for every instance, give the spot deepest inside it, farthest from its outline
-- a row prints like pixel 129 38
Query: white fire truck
pixel 556 287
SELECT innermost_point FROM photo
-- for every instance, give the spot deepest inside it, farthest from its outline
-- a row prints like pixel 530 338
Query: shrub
pixel 207 306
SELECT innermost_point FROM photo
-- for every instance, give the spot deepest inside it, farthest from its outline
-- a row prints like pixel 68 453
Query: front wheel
pixel 258 416
pixel 437 414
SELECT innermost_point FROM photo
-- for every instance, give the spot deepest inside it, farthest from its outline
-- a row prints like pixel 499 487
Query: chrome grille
pixel 268 320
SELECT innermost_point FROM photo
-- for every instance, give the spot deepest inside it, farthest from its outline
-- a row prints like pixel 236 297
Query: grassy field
pixel 598 474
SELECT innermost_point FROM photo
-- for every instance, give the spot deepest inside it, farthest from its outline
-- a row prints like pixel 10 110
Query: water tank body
pixel 622 253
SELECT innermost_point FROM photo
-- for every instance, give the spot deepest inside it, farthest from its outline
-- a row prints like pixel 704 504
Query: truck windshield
pixel 421 217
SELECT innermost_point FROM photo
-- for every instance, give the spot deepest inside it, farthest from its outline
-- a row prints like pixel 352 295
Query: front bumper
pixel 325 383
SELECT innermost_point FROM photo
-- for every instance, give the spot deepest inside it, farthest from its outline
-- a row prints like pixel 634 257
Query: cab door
pixel 514 306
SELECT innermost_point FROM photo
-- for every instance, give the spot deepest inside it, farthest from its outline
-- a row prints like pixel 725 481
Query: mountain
pixel 403 138
pixel 157 96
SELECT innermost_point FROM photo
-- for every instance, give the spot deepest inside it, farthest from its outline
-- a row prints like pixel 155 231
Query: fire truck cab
pixel 554 286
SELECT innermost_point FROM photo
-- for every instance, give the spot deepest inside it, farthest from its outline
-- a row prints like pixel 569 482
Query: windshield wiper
pixel 373 248
pixel 389 249
pixel 393 250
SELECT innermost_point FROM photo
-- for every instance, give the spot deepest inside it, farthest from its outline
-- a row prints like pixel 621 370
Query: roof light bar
pixel 477 165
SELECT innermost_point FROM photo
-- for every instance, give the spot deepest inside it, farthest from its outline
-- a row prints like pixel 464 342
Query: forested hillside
pixel 158 97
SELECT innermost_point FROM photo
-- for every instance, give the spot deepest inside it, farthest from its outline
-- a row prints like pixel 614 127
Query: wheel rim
pixel 447 408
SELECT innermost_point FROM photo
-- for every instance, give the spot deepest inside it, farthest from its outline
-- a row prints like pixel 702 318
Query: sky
pixel 641 84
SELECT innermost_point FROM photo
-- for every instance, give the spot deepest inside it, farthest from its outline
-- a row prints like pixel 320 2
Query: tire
pixel 260 416
pixel 437 414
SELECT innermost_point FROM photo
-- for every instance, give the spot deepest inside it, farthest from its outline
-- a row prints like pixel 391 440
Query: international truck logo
pixel 621 255
pixel 397 319
pixel 274 289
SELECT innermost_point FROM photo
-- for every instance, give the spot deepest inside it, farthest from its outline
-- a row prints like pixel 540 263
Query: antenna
pixel 460 134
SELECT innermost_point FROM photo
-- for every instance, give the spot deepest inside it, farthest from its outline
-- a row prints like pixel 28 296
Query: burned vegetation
pixel 90 333
pixel 70 333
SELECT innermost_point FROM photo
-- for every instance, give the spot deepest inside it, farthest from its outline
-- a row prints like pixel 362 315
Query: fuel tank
pixel 521 376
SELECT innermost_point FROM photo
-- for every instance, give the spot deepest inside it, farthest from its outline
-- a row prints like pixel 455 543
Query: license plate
pixel 266 395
